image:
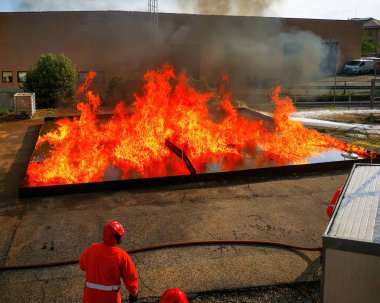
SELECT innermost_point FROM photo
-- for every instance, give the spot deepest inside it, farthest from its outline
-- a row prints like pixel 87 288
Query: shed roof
pixel 372 24
pixel 357 214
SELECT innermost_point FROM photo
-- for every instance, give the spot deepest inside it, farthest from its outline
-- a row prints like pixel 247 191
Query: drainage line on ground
pixel 174 245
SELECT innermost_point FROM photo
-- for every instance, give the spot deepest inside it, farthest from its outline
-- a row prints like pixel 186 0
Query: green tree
pixel 367 46
pixel 54 80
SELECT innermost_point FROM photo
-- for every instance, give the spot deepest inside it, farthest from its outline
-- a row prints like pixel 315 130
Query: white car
pixel 359 66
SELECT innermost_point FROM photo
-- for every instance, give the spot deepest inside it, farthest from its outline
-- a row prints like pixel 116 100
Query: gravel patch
pixel 306 292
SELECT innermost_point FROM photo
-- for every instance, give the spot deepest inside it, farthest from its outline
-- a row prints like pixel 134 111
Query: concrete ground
pixel 50 229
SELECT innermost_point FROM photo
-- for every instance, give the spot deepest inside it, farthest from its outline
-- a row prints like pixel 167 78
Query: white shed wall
pixel 351 277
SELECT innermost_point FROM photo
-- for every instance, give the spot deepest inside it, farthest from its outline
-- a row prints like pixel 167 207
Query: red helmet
pixel 109 231
pixel 173 295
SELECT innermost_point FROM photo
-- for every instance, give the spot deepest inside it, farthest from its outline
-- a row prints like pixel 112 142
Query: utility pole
pixel 153 13
pixel 153 20
pixel 373 84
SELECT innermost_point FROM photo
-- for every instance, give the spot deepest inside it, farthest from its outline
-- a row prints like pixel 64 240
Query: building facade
pixel 254 51
pixel 372 30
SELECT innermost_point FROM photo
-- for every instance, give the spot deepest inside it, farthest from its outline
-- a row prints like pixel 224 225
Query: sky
pixel 318 9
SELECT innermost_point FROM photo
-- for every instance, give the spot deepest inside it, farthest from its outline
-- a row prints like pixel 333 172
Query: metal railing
pixel 345 93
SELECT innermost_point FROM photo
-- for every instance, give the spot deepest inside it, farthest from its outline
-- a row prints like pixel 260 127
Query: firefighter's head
pixel 112 233
pixel 173 295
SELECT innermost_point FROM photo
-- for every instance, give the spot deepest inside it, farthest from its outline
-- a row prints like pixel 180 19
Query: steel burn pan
pixel 328 161
pixel 205 179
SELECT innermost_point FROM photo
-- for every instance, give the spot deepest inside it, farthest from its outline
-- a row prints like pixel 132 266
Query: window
pixel 7 77
pixel 21 77
pixel 328 58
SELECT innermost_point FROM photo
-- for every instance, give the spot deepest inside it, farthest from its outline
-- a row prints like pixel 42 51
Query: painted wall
pixel 254 51
pixel 351 277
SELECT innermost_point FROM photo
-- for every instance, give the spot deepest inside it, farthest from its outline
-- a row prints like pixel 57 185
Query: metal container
pixel 351 243
pixel 25 104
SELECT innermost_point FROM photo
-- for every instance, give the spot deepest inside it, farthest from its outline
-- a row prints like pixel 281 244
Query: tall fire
pixel 83 148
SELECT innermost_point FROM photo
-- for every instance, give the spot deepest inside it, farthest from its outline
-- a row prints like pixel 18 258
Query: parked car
pixel 359 66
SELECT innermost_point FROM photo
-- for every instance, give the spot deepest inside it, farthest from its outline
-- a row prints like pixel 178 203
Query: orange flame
pixel 81 149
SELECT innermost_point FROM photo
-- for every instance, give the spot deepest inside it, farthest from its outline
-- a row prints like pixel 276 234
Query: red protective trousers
pixel 104 265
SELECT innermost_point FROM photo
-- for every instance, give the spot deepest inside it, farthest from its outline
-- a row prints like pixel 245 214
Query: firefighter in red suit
pixel 104 264
pixel 174 295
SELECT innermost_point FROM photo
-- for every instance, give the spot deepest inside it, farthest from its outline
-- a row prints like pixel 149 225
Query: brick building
pixel 253 50
pixel 372 30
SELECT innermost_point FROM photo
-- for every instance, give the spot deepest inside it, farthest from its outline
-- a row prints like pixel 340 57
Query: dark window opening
pixel 21 76
pixel 7 77
pixel 329 53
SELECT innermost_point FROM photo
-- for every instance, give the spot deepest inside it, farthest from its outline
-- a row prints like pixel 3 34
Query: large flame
pixel 81 149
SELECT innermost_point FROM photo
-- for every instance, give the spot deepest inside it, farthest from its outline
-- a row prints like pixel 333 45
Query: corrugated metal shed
pixel 356 214
pixel 351 243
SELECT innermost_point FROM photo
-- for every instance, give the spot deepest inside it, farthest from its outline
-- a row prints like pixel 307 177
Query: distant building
pixel 371 28
pixel 254 51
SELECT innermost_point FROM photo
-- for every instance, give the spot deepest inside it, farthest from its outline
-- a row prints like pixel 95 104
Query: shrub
pixel 54 80
pixel 5 111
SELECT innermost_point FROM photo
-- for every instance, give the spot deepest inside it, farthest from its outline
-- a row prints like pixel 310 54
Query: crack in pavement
pixel 11 241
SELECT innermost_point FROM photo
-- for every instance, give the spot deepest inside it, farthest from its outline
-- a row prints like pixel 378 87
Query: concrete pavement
pixel 50 229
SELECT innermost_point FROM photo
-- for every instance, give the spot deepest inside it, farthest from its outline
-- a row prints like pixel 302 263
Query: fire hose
pixel 174 245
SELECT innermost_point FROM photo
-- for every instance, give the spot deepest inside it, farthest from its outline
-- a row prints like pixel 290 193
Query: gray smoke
pixel 256 53
pixel 261 49
pixel 227 7
pixel 48 5
pixel 207 7
pixel 76 5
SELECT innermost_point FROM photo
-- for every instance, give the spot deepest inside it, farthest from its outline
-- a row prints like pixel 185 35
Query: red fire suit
pixel 104 265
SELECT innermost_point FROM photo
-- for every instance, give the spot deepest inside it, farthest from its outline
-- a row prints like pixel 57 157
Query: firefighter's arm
pixel 82 260
pixel 129 275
